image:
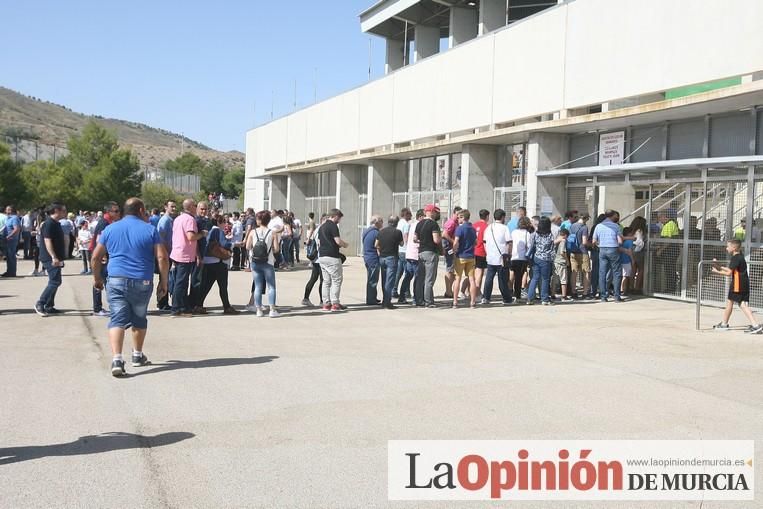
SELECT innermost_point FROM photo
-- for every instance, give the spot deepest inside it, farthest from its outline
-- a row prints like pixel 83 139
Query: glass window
pixel 455 171
pixel 427 174
pixel 414 175
pixel 518 164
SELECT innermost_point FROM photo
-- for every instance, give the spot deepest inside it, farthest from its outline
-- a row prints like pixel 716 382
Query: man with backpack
pixel 577 249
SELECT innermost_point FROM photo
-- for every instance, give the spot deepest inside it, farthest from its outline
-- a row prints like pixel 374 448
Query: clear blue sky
pixel 192 66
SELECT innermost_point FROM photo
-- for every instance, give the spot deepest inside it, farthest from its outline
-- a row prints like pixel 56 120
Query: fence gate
pixel 362 222
pixel 508 198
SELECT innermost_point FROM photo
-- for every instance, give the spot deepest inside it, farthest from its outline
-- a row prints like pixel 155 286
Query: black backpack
pixel 260 250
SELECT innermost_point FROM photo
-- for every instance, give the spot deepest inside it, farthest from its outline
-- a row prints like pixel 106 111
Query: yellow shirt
pixel 670 230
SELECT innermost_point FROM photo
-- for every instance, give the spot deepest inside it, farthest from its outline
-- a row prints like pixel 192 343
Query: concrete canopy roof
pixel 388 18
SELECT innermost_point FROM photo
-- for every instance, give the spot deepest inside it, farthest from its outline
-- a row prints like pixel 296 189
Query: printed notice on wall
pixel 612 148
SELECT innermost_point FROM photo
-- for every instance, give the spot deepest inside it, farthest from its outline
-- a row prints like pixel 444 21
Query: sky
pixel 208 70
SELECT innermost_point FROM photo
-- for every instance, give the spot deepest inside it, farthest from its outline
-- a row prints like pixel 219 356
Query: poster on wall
pixel 612 148
pixel 443 172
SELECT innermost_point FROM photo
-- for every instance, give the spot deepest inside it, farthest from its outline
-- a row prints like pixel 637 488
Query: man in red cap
pixel 428 236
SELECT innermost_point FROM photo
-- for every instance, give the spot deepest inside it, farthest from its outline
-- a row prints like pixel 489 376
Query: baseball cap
pixel 431 208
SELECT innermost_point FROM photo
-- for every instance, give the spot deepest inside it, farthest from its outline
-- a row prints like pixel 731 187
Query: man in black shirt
pixel 330 260
pixel 428 236
pixel 52 254
pixel 387 244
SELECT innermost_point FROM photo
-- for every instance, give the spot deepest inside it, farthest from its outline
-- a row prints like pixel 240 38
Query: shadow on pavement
pixel 91 444
pixel 206 363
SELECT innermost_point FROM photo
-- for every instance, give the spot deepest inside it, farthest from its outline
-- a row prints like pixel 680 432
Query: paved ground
pixel 297 411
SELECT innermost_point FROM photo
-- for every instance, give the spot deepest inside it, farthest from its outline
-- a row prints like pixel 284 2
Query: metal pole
pixel 369 59
pixel 699 290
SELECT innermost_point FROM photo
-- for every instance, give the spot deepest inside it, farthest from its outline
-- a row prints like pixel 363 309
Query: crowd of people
pixel 542 260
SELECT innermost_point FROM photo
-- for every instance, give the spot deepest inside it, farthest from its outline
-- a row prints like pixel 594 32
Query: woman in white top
pixel 263 260
pixel 84 236
pixel 521 242
pixel 497 241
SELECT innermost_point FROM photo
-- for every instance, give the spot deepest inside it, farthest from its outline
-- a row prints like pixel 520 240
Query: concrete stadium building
pixel 639 105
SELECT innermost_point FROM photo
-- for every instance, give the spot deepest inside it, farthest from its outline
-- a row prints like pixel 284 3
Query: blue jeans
pixel 180 299
pixel 503 282
pixel 594 272
pixel 372 281
pixel 399 272
pixel 410 271
pixel 286 245
pixel 26 238
pixel 128 302
pixel 11 247
pixel 98 294
pixel 542 273
pixel 388 274
pixel 264 274
pixel 609 260
pixel 48 297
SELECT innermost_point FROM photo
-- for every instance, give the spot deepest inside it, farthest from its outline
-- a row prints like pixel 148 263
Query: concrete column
pixel 463 25
pixel 279 190
pixel 544 151
pixel 348 188
pixel 427 42
pixel 381 185
pixel 479 170
pixel 297 192
pixel 492 15
pixel 395 55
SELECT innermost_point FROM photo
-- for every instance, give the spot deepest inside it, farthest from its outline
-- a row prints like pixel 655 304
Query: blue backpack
pixel 573 242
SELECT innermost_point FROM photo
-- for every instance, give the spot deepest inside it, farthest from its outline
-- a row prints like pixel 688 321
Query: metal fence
pixel 320 204
pixel 178 182
pixel 25 150
pixel 712 289
pixel 416 200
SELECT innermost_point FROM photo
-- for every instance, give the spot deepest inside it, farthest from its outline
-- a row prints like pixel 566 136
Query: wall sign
pixel 612 148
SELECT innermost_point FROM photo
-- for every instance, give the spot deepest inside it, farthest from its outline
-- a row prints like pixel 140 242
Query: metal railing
pixel 718 291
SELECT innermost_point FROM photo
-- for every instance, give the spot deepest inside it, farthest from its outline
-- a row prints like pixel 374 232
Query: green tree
pixel 233 183
pixel 187 164
pixel 212 177
pixel 97 170
pixel 156 194
pixel 13 190
pixel 46 183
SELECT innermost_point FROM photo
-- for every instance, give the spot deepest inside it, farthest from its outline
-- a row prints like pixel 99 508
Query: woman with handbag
pixel 541 254
pixel 497 241
pixel 311 251
pixel 520 245
pixel 215 266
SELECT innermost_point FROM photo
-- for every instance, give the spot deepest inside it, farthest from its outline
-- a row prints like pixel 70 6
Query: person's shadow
pixel 91 444
pixel 205 363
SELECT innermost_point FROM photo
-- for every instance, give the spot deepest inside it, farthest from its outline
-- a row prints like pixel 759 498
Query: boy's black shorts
pixel 480 262
pixel 739 297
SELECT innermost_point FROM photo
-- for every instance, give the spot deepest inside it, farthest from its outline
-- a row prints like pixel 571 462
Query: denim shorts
pixel 128 302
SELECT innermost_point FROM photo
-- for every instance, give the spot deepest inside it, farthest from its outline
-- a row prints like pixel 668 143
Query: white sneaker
pixel 251 309
pixel 273 313
pixel 260 314
pixel 307 303
pixel 102 312
pixel 34 273
pixel 462 296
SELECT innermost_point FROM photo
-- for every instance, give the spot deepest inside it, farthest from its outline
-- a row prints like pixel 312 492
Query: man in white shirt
pixel 237 230
pixel 498 249
pixel 404 226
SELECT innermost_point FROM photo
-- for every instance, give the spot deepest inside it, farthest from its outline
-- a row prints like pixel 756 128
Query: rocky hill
pixel 42 124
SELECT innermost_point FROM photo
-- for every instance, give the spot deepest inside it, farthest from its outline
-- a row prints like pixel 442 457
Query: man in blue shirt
pixel 466 239
pixel 131 245
pixel 164 227
pixel 12 233
pixel 514 222
pixel 154 219
pixel 608 239
pixel 371 259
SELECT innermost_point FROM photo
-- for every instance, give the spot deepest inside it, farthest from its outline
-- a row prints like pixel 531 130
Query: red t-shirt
pixel 479 249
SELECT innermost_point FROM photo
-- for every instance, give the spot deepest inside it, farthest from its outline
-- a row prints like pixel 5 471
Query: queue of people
pixel 535 260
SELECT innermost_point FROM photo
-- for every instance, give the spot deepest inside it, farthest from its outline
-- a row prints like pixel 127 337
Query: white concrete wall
pixel 579 53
